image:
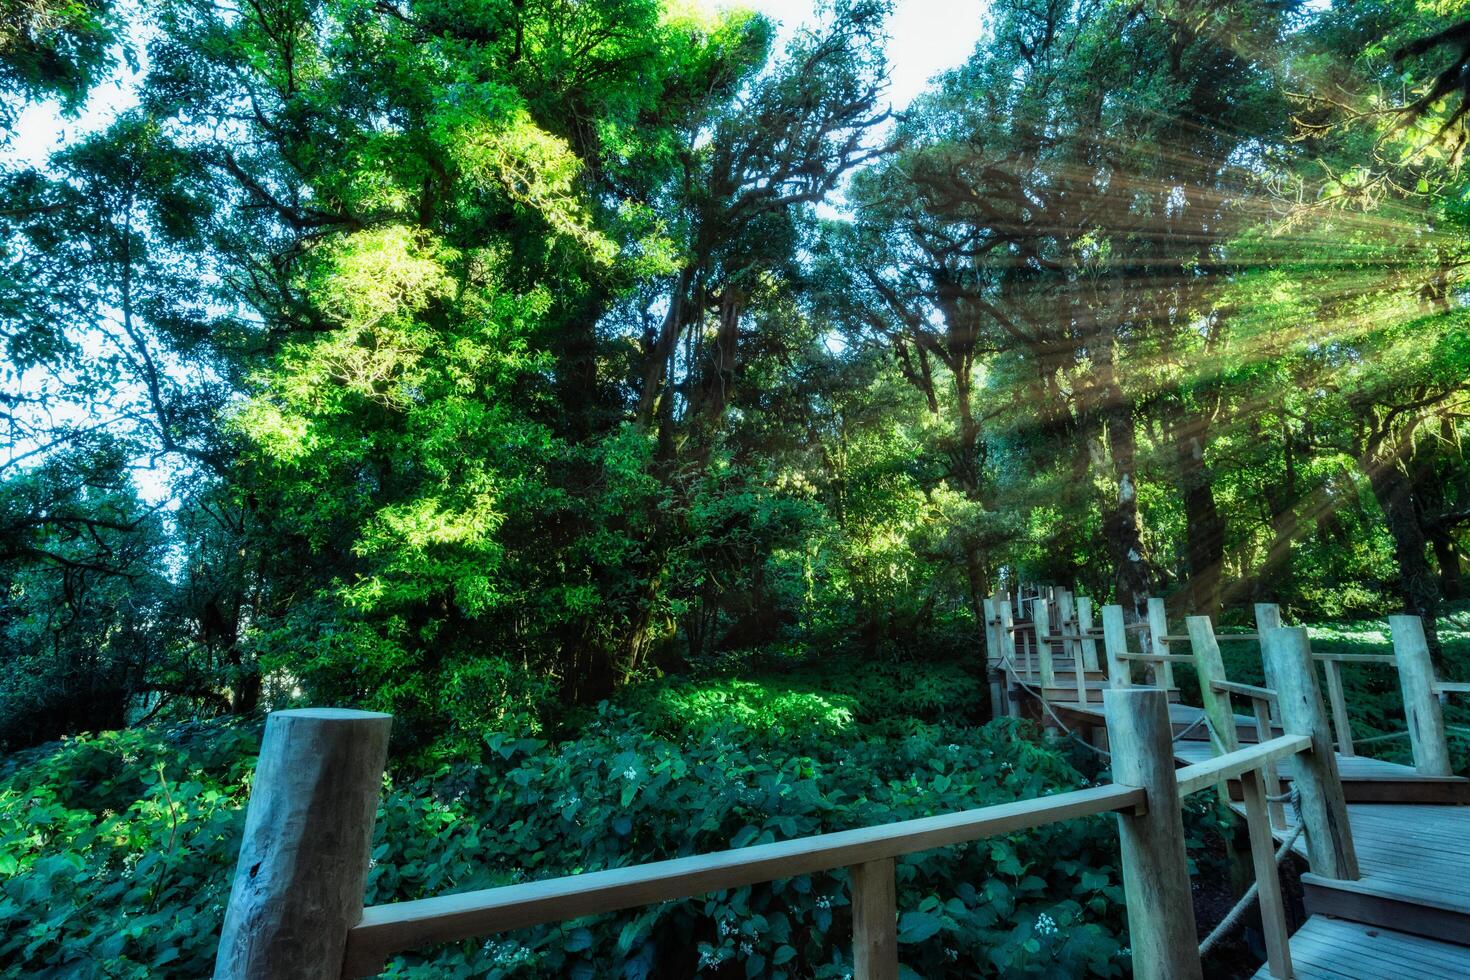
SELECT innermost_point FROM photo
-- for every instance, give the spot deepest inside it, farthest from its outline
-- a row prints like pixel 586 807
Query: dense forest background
pixel 483 357
pixel 478 360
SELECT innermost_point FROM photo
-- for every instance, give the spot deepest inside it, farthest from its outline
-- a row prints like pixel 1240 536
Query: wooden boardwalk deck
pixel 1409 913
pixel 1333 949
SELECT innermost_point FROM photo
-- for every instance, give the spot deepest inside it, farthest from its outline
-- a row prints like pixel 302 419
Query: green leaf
pixel 915 927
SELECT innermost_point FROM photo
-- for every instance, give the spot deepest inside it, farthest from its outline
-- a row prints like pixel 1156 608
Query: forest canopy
pixel 640 400
pixel 471 359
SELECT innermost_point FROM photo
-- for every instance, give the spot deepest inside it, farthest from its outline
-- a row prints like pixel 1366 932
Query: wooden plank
pixel 1268 879
pixel 1341 724
pixel 1041 616
pixel 1007 646
pixel 1158 628
pixel 1159 658
pixel 1270 777
pixel 388 929
pixel 1451 687
pixel 1338 949
pixel 1202 775
pixel 1377 903
pixel 1408 791
pixel 1421 705
pixel 874 921
pixel 1246 690
pixel 1161 926
pixel 1211 669
pixel 1353 658
pixel 1085 627
pixel 1288 654
pixel 1115 644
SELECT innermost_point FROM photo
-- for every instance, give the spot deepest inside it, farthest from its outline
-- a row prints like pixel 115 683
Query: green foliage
pixel 116 850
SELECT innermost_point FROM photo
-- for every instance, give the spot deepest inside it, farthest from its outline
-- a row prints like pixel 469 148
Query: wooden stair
pixel 1334 949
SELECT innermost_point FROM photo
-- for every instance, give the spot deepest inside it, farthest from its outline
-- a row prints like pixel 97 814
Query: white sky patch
pixel 926 37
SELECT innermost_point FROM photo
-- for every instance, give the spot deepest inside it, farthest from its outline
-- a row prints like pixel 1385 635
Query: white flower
pixel 1046 925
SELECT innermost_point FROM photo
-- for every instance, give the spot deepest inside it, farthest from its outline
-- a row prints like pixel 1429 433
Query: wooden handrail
pixel 388 929
pixel 1244 690
pixel 1158 658
pixel 1203 775
pixel 1354 658
pixel 1451 687
pixel 1185 637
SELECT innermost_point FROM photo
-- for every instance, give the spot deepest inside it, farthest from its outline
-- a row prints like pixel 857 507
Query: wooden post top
pixel 331 714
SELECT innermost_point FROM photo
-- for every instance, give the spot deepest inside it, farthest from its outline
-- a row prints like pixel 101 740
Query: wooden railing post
pixel 1270 779
pixel 1041 619
pixel 1008 651
pixel 1161 927
pixel 874 921
pixel 1210 667
pixel 1337 698
pixel 1158 628
pixel 1084 626
pixel 1421 704
pixel 992 643
pixel 1268 617
pixel 990 612
pixel 303 860
pixel 1268 879
pixel 1115 643
pixel 1288 658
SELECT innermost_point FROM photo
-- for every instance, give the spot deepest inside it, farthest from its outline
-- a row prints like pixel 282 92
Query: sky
pixel 925 36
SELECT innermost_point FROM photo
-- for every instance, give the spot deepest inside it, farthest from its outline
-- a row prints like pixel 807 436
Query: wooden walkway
pixel 1335 948
pixel 1414 893
pixel 1407 915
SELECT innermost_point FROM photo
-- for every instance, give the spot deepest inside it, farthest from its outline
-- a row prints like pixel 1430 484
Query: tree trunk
pixel 1133 576
pixel 1204 528
pixel 1417 582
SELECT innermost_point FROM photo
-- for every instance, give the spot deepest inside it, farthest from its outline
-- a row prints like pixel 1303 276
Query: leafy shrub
pixel 117 850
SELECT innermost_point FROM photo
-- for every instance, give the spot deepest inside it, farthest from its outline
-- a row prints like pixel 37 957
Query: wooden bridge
pixel 1401 907
pixel 1388 891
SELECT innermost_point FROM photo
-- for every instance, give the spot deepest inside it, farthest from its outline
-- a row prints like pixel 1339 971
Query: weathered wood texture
pixel 1041 617
pixel 1331 949
pixel 1115 645
pixel 1084 626
pixel 1337 697
pixel 387 929
pixel 1421 705
pixel 1161 927
pixel 1288 658
pixel 992 641
pixel 1216 769
pixel 1211 670
pixel 1268 879
pixel 874 921
pixel 1158 629
pixel 298 887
